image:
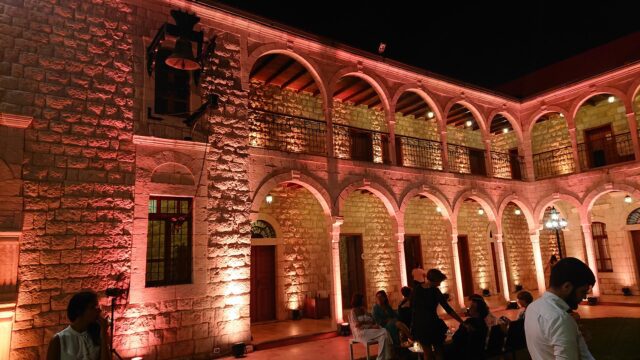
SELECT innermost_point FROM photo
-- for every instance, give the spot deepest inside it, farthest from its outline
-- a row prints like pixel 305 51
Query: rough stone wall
pixel 361 116
pixel 284 101
pixel 11 153
pixel 421 127
pixel 550 134
pixel 590 116
pixel 304 246
pixel 476 226
pixel 69 67
pixel 366 214
pixel 504 142
pixel 611 210
pixel 465 137
pixel 421 218
pixel 519 252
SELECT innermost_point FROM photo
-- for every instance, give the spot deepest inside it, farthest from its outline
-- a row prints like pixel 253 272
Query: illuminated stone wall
pixel 284 101
pixel 366 214
pixel 421 127
pixel 476 227
pixel 303 246
pixel 519 252
pixel 591 116
pixel 550 134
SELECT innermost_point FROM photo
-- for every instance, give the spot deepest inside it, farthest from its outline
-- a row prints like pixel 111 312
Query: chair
pixel 354 341
pixel 516 339
pixel 495 341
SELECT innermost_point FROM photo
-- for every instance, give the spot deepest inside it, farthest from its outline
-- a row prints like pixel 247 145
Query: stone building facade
pixel 83 158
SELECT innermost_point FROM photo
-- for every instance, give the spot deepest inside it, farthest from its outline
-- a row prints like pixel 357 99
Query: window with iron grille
pixel 172 88
pixel 601 242
pixel 169 241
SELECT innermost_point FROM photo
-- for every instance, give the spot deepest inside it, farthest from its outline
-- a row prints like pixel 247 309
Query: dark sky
pixel 481 42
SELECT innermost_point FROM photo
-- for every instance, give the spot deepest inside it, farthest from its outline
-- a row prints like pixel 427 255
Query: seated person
pixel 386 317
pixel 365 329
pixel 491 320
pixel 404 309
pixel 524 299
pixel 469 340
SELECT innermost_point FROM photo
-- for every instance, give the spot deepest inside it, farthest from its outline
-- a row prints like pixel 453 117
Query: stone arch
pixel 634 90
pixel 172 173
pixel 512 120
pixel 593 196
pixel 377 189
pixel 545 110
pixel 306 181
pixel 429 99
pixel 538 213
pixel 371 78
pixel 194 164
pixel 482 123
pixel 597 91
pixel 524 207
pixel 634 217
pixel 274 48
pixel 483 199
pixel 433 194
pixel 271 226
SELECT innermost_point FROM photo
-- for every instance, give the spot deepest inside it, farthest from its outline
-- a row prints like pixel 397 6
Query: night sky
pixel 482 42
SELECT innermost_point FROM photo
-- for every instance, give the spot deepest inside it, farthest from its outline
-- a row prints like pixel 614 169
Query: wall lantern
pixel 517 211
pixel 268 199
pixel 480 211
pixel 628 199
pixel 430 114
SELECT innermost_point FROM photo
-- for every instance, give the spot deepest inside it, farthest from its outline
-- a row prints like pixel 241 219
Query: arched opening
pixel 506 161
pixel 464 142
pixel 289 268
pixel 417 135
pixel 568 241
pixel 368 254
pixel 616 241
pixel 551 146
pixel 428 240
pixel 602 132
pixel 360 129
pixel 479 267
pixel 519 258
pixel 286 110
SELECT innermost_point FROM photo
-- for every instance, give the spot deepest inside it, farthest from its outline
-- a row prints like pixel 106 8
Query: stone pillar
pixel 591 256
pixel 328 119
pixel 574 147
pixel 402 266
pixel 503 266
pixel 537 259
pixel 445 150
pixel 334 236
pixel 487 161
pixel 456 268
pixel 633 129
pixel 527 154
pixel 392 141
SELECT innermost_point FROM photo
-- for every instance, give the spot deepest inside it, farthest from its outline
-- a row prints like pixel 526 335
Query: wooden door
pixel 465 265
pixel 601 146
pixel 361 145
pixel 412 254
pixel 476 162
pixel 263 283
pixel 351 268
pixel 496 269
pixel 514 162
pixel 635 237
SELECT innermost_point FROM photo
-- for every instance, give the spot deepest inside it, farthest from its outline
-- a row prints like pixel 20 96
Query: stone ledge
pixel 15 121
pixel 170 143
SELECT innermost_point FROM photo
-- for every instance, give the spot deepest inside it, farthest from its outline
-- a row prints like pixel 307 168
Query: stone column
pixel 537 259
pixel 392 141
pixel 445 150
pixel 456 269
pixel 402 266
pixel 328 118
pixel 334 236
pixel 503 266
pixel 527 154
pixel 633 129
pixel 591 256
pixel 487 161
pixel 574 147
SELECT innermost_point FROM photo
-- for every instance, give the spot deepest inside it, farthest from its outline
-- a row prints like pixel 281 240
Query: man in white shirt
pixel 551 331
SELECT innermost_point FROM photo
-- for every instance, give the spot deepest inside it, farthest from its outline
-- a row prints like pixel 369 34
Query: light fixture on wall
pixel 505 130
pixel 556 223
pixel 468 123
pixel 430 114
pixel 480 211
pixel 517 211
pixel 611 99
pixel 561 115
pixel 268 199
pixel 628 199
pixel 438 210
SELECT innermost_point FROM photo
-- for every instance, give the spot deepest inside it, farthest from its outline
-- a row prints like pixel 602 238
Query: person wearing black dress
pixel 404 309
pixel 427 328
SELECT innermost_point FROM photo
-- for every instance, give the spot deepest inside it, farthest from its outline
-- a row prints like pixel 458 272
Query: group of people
pixel 550 325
